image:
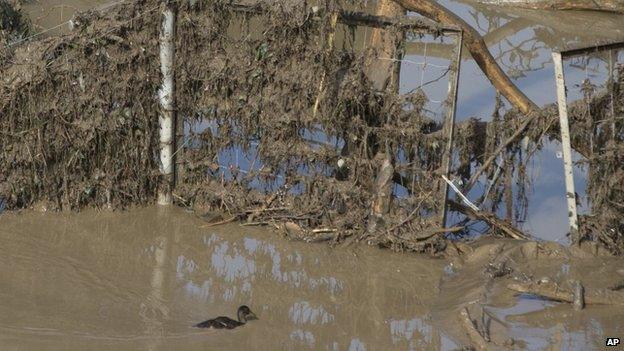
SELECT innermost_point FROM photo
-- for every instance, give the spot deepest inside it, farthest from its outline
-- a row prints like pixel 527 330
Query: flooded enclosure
pixel 364 175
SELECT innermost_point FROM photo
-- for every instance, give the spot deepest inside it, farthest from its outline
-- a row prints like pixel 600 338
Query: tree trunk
pixel 383 69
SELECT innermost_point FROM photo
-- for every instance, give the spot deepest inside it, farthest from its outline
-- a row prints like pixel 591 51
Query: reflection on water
pixel 142 278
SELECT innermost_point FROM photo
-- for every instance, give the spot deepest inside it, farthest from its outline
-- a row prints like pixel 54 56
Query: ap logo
pixel 613 341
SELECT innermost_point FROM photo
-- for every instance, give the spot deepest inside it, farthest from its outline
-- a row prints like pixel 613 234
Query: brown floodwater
pixel 139 280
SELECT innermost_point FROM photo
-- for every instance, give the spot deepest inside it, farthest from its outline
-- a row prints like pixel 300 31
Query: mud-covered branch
pixel 615 6
pixel 505 227
pixel 553 291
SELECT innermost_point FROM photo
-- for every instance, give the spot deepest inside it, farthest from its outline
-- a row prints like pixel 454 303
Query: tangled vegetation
pixel 282 124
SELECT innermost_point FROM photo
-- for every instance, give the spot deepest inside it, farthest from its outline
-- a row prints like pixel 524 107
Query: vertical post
pixel 385 75
pixel 333 20
pixel 166 96
pixel 613 58
pixel 449 122
pixel 565 144
pixel 508 192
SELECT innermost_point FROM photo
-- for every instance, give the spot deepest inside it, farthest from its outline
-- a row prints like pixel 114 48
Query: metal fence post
pixel 568 167
pixel 166 96
pixel 449 122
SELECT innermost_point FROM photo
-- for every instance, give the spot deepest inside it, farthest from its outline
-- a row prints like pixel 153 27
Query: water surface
pixel 141 279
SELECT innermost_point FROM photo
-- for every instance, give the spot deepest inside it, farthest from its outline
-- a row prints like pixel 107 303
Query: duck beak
pixel 251 316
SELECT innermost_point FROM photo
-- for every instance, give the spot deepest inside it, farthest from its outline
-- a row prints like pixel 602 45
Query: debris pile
pixel 279 123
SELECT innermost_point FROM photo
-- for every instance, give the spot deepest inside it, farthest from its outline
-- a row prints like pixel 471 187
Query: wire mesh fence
pixel 593 77
pixel 316 117
pixel 332 124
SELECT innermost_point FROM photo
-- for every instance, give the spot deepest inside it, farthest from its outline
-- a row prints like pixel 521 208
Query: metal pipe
pixel 166 97
pixel 568 166
pixel 449 123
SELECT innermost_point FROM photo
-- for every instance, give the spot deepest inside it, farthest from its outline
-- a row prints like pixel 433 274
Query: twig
pixel 521 129
pixel 324 230
pixel 253 224
pixel 259 210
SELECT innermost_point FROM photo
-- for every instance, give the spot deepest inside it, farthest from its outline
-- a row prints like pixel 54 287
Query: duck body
pixel 244 315
pixel 219 323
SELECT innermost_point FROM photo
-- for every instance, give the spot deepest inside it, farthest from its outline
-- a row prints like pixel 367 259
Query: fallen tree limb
pixel 491 219
pixel 616 6
pixel 477 47
pixel 553 291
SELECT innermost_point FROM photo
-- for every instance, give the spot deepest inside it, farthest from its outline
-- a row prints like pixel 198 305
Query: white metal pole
pixel 449 123
pixel 166 96
pixel 568 167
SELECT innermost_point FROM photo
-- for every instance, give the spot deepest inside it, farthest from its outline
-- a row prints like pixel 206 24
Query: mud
pixel 140 279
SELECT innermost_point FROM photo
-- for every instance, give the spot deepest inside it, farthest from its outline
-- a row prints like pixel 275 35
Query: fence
pixel 332 124
pixel 281 114
pixel 601 117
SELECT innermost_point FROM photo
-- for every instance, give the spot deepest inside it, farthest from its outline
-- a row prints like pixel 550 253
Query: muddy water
pixel 48 15
pixel 139 280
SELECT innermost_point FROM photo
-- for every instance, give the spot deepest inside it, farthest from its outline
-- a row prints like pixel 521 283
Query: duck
pixel 244 314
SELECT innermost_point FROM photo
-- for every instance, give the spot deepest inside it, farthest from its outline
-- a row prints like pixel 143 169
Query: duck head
pixel 245 314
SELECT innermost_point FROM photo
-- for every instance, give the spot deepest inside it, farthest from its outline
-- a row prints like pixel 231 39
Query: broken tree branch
pixel 477 47
pixel 515 136
pixel 490 219
pixel 553 291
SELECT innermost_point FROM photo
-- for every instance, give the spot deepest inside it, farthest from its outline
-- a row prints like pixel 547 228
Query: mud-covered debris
pixel 79 127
